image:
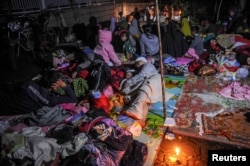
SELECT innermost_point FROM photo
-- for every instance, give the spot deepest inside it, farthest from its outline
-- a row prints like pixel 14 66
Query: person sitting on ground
pixel 106 49
pixel 32 95
pixel 214 47
pixel 134 31
pixel 91 32
pixel 147 93
pixel 116 41
pixel 149 43
pixel 128 48
pixel 197 43
pixel 209 26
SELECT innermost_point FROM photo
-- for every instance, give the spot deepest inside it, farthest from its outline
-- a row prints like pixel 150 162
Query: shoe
pixel 130 114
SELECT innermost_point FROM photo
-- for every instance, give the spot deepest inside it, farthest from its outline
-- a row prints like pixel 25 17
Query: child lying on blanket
pixel 147 93
pixel 33 95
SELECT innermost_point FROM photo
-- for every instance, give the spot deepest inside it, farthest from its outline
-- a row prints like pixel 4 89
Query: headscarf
pixel 133 28
pixel 185 27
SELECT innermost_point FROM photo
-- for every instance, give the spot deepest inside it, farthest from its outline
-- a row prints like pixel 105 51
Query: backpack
pixel 99 73
pixel 205 70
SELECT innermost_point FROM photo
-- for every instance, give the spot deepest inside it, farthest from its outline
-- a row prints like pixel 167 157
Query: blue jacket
pixel 149 44
pixel 197 44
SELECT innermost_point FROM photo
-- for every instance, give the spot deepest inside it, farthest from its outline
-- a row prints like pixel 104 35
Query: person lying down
pixel 141 90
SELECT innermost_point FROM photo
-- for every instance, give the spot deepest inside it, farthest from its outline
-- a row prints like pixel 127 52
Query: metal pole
pixel 161 64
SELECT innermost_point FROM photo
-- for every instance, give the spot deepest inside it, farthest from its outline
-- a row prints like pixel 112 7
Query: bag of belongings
pixel 205 70
pixel 99 72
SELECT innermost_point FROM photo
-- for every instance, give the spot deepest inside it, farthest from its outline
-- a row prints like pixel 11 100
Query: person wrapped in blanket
pixel 147 87
pixel 34 94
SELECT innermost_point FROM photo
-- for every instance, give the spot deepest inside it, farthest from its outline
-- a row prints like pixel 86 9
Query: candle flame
pixel 177 151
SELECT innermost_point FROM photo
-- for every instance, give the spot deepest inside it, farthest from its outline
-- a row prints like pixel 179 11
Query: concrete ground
pixel 192 151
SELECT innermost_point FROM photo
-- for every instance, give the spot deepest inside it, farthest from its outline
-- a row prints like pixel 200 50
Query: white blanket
pixel 150 92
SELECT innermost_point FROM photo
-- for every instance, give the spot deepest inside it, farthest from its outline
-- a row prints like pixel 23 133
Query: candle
pixel 172 159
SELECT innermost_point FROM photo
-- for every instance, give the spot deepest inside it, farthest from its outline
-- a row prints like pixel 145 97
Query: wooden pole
pixel 218 12
pixel 215 9
pixel 161 63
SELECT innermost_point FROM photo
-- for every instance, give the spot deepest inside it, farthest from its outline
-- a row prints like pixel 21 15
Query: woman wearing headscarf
pixel 173 40
pixel 106 49
pixel 149 42
pixel 134 31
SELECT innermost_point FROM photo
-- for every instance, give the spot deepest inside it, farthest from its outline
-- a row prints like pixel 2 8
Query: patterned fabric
pixel 178 70
pixel 80 86
pixel 236 91
pixel 129 48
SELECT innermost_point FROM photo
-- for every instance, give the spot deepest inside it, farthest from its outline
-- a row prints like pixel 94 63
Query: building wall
pixel 127 8
pixel 103 12
pixel 81 15
pixel 79 12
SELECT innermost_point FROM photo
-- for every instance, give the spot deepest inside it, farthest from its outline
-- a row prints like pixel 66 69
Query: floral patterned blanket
pixel 202 112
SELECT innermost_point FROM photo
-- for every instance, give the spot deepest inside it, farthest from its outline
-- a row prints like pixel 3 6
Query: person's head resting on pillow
pixel 140 62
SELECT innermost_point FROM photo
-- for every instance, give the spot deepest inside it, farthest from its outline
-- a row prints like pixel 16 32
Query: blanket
pixel 234 126
pixel 200 108
pixel 144 96
pixel 154 123
pixel 104 144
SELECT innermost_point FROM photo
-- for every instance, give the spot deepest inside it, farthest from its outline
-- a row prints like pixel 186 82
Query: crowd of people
pixel 124 41
pixel 116 71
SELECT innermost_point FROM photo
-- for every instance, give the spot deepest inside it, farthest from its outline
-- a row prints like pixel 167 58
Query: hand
pixel 58 83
